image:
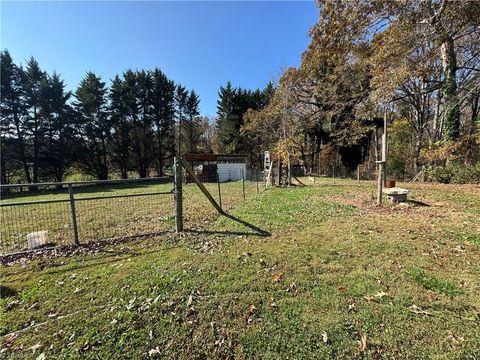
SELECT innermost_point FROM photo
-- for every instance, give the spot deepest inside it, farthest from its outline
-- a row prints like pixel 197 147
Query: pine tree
pixel 142 135
pixel 181 97
pixel 12 121
pixel 33 77
pixel 121 127
pixel 227 120
pixel 58 147
pixel 193 129
pixel 94 127
pixel 163 112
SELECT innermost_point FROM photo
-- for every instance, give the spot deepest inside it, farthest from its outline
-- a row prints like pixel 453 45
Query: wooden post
pixel 202 187
pixel 380 182
pixel 358 173
pixel 218 187
pixel 243 184
pixel 177 193
pixel 384 144
pixel 74 214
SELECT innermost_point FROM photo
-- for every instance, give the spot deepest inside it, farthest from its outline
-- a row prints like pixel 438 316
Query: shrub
pixel 455 173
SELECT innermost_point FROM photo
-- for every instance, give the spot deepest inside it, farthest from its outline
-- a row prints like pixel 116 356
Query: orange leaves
pixel 362 343
pixel 277 277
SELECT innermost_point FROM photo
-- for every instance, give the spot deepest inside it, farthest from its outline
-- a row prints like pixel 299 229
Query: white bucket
pixel 37 239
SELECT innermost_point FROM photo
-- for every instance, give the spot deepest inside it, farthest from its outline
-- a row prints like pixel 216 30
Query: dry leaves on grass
pixel 362 343
pixel 418 310
pixel 277 277
pixel 378 295
pixel 325 337
pixel 153 352
pixel 250 311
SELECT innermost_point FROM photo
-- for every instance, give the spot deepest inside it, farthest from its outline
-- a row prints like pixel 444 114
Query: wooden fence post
pixel 380 182
pixel 243 183
pixel 74 214
pixel 177 193
pixel 219 190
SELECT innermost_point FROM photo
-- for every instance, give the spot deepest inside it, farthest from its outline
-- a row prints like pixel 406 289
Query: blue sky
pixel 199 44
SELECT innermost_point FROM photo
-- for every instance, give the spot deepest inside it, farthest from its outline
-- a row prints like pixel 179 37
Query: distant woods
pixel 130 127
pixel 232 105
pixel 418 61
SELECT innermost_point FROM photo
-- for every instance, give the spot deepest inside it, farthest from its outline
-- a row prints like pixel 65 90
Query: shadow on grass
pixel 256 231
pixel 417 203
pixel 6 292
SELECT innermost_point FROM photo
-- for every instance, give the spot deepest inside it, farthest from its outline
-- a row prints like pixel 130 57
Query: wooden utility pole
pixel 384 144
pixel 380 182
pixel 382 164
pixel 177 193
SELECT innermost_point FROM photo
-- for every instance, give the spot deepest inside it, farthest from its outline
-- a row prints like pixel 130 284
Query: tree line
pixel 133 127
pixel 232 104
pixel 417 63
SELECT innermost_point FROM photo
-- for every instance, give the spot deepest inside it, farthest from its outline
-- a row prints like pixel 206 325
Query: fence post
pixel 243 183
pixel 177 193
pixel 256 178
pixel 219 192
pixel 74 214
pixel 380 182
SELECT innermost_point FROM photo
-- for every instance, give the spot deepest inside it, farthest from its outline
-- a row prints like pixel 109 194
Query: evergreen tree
pixel 12 121
pixel 227 120
pixel 193 126
pixel 33 78
pixel 120 141
pixel 58 147
pixel 142 135
pixel 181 97
pixel 163 112
pixel 93 126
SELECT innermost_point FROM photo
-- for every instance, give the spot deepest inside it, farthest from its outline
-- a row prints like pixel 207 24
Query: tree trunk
pixel 451 109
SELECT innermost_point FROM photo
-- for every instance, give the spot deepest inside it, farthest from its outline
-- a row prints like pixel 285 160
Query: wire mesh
pixel 229 187
pixel 124 217
pixel 103 210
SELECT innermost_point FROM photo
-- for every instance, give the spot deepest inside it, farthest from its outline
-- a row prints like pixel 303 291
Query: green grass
pixel 423 278
pixel 405 278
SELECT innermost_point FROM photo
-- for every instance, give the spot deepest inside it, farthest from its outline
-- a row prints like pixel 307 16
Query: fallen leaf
pixel 362 344
pixel 154 351
pixel 251 309
pixel 277 277
pixel 418 310
pixel 378 295
pixel 35 347
pixel 325 337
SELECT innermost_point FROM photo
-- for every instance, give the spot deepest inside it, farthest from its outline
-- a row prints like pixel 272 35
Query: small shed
pixel 229 167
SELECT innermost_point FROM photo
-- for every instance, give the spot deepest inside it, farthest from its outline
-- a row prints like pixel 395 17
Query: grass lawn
pixel 336 278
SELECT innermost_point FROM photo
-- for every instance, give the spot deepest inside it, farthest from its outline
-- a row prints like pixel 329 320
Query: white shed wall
pixel 231 172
